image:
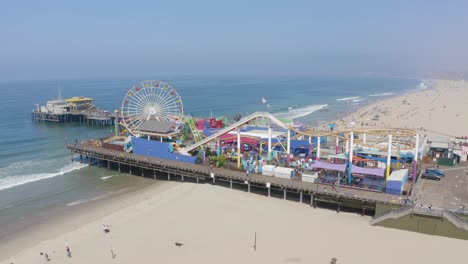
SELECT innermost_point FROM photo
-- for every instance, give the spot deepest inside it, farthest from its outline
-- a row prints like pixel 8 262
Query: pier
pixel 337 197
pixel 76 110
pixel 94 118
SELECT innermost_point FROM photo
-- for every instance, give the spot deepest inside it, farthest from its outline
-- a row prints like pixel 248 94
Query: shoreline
pixel 416 110
pixel 323 125
pixel 69 217
pixel 217 224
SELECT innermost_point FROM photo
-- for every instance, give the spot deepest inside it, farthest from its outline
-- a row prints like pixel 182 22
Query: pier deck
pixel 95 117
pixel 317 192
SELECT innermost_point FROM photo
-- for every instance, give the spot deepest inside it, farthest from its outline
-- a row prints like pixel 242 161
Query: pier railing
pixel 456 220
pixel 452 217
pixel 392 213
pixel 93 149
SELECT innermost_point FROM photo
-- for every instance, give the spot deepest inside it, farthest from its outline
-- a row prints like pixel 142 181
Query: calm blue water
pixel 36 171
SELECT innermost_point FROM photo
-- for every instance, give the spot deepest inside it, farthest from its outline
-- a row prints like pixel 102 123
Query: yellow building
pixel 79 103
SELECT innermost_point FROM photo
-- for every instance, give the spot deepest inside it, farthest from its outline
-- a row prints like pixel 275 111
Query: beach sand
pixel 441 110
pixel 218 225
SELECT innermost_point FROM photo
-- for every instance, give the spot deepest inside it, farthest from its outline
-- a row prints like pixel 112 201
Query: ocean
pixel 37 175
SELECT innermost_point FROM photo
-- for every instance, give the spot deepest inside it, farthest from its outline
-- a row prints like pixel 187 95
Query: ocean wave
pixel 381 94
pixel 15 180
pixel 299 112
pixel 106 177
pixel 357 100
pixel 422 86
pixel 348 98
pixel 82 201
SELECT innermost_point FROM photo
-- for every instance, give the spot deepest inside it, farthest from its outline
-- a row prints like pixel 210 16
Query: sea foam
pixel 381 94
pixel 300 112
pixel 348 98
pixel 15 180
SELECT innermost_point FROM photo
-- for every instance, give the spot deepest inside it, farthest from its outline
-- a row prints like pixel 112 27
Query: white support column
pixel 415 159
pixel 269 141
pixel 347 146
pixel 310 140
pixel 364 138
pixel 238 147
pixel 288 150
pixel 337 145
pixel 389 156
pixel 318 148
pixel 350 167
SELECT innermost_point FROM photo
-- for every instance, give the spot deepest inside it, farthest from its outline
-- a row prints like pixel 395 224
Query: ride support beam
pixel 415 159
pixel 350 159
pixel 318 148
pixel 269 141
pixel 389 156
pixel 238 147
pixel 337 143
pixel 288 150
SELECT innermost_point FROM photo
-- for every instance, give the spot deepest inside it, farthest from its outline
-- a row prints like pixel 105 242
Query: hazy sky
pixel 71 39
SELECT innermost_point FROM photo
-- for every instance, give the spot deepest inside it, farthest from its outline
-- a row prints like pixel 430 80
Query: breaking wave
pixel 381 94
pixel 422 86
pixel 15 180
pixel 348 98
pixel 300 112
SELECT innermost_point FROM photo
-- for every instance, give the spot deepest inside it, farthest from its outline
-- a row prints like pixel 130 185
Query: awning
pixel 328 166
pixel 368 171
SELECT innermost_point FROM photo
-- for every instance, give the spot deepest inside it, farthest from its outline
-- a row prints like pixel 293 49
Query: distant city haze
pixel 91 39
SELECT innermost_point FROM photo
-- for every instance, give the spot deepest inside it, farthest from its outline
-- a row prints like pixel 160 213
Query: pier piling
pixel 300 196
pixel 284 194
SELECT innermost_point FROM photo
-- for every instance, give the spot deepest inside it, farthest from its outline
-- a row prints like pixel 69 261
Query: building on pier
pixel 75 109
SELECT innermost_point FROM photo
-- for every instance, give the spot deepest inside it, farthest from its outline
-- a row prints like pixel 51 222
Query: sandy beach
pixel 440 110
pixel 218 225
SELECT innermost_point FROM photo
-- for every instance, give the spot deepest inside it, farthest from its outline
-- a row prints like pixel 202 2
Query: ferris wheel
pixel 149 102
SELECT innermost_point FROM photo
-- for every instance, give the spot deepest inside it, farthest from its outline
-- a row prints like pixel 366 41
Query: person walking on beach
pixel 105 228
pixel 68 252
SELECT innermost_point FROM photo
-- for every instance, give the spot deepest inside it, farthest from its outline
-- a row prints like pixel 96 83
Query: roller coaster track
pixel 233 126
pixel 396 132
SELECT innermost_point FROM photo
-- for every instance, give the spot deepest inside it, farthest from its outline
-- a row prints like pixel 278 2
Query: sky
pixel 86 39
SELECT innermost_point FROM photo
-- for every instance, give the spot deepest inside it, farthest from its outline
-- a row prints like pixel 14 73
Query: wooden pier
pixel 94 118
pixel 339 198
